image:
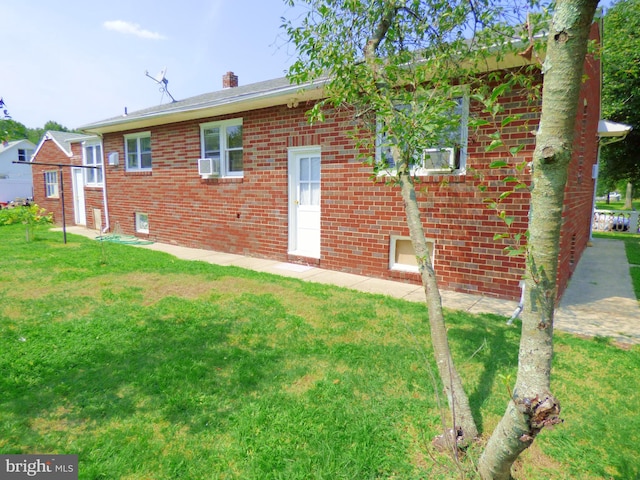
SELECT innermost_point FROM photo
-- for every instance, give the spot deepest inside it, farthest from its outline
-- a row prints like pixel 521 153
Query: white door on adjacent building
pixel 79 209
pixel 304 201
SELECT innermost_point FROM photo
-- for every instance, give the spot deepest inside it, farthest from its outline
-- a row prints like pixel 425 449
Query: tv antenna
pixel 5 112
pixel 161 79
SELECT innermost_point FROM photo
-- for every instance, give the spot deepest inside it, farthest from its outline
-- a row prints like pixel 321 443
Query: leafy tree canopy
pixel 621 92
pixel 13 130
pixel 435 50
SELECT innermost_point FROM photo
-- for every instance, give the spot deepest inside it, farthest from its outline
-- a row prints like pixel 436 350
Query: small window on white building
pixel 402 257
pixel 24 155
pixel 142 222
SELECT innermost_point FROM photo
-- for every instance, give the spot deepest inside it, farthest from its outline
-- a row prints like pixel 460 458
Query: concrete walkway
pixel 600 298
pixel 598 302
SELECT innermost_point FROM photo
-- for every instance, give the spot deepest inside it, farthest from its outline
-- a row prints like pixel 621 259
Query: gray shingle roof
pixel 13 143
pixel 64 139
pixel 226 96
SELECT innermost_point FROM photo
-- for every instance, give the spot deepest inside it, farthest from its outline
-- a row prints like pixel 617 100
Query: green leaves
pixel 498 164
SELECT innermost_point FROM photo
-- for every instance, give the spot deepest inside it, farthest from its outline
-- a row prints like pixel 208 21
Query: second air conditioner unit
pixel 209 167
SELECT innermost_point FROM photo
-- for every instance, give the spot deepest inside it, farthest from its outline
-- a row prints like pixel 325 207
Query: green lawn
pixel 149 367
pixel 616 205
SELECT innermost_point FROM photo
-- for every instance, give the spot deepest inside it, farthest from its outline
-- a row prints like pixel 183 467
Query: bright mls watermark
pixel 45 467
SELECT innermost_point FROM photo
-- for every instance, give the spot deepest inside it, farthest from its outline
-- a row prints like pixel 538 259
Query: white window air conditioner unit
pixel 114 159
pixel 209 167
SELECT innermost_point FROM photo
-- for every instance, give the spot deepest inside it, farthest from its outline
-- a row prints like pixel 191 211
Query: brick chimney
pixel 229 80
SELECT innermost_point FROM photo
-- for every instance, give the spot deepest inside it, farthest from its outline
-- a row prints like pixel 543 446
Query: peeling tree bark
pixel 533 405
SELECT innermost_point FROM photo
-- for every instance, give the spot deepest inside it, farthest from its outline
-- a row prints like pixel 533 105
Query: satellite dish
pixel 161 79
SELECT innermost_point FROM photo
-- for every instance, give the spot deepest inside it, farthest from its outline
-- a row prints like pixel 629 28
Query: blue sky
pixel 79 61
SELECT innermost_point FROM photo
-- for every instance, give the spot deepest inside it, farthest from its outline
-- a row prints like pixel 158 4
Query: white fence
pixel 615 221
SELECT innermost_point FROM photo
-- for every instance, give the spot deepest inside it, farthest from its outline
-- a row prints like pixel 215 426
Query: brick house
pixel 58 172
pixel 241 170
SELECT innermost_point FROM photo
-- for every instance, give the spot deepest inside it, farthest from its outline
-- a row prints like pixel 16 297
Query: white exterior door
pixel 79 209
pixel 304 201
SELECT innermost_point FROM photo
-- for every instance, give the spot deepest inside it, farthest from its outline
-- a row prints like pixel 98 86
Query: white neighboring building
pixel 15 179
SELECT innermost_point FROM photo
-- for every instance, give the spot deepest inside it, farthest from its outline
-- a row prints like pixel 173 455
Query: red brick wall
pixel 52 154
pixel 250 215
pixel 580 186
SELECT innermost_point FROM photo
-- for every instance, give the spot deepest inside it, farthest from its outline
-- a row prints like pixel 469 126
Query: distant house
pixel 241 170
pixel 15 178
pixel 58 172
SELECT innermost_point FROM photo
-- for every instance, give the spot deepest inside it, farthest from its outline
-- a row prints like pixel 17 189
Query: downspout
pixel 520 306
pixel 594 175
pixel 105 203
pixel 596 167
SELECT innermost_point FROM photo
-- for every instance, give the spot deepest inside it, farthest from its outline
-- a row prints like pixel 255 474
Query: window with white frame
pixel 137 148
pixel 93 158
pixel 51 184
pixel 142 222
pixel 24 155
pixel 222 142
pixel 446 155
pixel 402 256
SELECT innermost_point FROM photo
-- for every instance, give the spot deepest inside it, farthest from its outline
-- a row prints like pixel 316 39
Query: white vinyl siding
pixel 24 155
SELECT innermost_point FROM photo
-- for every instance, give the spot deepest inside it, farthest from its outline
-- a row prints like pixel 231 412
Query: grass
pixel 149 367
pixel 617 205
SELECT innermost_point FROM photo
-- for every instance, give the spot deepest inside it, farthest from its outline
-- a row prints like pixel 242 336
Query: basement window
pixel 402 257
pixel 142 222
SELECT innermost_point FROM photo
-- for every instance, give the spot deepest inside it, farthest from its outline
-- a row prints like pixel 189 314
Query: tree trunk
pixel 464 426
pixel 533 406
pixel 628 198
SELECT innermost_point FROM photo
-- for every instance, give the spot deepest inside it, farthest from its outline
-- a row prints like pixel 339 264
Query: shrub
pixel 29 215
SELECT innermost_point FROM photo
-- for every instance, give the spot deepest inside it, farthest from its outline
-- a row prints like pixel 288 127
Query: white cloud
pixel 133 29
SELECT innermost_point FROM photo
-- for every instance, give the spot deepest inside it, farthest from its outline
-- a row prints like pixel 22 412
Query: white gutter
pixel 238 102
